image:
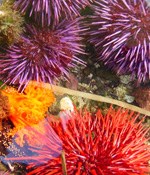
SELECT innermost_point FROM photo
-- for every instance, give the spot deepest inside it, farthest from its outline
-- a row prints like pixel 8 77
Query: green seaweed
pixel 10 24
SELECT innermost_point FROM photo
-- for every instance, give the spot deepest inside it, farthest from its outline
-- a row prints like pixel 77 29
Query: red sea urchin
pixel 95 144
pixel 122 37
pixel 42 54
pixel 46 11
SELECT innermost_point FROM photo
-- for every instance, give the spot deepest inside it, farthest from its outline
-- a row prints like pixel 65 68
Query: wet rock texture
pixel 142 97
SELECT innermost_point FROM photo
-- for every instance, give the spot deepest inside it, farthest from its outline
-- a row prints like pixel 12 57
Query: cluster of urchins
pixel 76 142
pixel 51 42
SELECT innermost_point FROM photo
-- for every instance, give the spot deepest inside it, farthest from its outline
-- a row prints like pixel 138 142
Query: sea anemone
pixel 10 24
pixel 29 108
pixel 42 54
pixel 120 32
pixel 93 144
pixel 46 12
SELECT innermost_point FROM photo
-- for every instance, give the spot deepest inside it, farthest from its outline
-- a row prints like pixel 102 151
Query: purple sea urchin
pixel 49 10
pixel 122 37
pixel 42 55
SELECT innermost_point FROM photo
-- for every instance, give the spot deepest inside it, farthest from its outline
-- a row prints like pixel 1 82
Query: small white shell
pixel 66 104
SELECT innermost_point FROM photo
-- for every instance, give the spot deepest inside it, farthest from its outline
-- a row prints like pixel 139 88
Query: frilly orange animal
pixel 29 107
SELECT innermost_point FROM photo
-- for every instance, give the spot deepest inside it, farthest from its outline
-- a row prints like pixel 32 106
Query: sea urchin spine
pixel 49 11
